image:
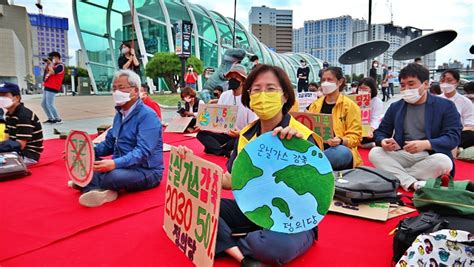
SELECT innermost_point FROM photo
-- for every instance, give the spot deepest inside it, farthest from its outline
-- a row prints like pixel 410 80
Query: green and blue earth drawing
pixel 283 185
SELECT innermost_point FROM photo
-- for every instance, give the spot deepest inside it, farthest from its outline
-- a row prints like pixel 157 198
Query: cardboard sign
pixel 373 211
pixel 217 118
pixel 399 211
pixel 282 185
pixel 317 122
pixel 363 101
pixel 191 135
pixel 79 157
pixel 193 197
pixel 166 147
pixel 178 124
pixel 305 99
pixel 101 137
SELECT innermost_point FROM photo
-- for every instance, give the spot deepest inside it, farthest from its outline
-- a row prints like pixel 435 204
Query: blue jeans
pixel 130 180
pixel 192 85
pixel 340 157
pixel 48 105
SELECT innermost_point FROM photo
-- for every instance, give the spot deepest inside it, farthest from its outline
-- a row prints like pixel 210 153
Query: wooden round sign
pixel 79 157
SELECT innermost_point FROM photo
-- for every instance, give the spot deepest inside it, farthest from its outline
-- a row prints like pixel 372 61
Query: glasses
pixel 269 89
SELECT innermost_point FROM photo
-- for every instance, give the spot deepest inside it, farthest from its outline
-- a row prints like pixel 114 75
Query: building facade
pixel 272 27
pixel 103 25
pixel 80 59
pixel 12 53
pixel 298 40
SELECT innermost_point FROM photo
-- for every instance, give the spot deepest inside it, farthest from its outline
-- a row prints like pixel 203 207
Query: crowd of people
pixel 416 139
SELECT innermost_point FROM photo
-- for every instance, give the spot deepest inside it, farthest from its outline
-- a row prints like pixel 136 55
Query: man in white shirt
pixel 449 81
pixel 221 144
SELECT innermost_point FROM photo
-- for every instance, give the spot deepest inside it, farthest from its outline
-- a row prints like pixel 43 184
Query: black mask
pixel 234 83
pixel 216 94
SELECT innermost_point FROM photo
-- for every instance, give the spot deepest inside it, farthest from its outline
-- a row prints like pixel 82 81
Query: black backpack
pixel 365 184
pixel 428 222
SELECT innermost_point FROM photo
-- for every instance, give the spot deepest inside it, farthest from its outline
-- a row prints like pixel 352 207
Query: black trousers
pixel 467 139
pixel 219 144
pixel 263 245
pixel 385 93
pixel 302 87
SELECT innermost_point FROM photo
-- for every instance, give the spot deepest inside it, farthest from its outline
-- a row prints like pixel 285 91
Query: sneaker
pixel 49 121
pixel 419 184
pixel 72 185
pixel 97 198
pixel 249 262
pixel 58 121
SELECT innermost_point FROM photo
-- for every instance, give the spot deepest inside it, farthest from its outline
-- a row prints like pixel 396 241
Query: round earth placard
pixel 79 157
pixel 283 185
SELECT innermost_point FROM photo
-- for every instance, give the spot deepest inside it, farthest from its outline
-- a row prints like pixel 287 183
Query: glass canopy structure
pixel 104 24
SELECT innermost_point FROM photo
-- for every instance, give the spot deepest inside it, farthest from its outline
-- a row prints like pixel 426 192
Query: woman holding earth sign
pixel 267 92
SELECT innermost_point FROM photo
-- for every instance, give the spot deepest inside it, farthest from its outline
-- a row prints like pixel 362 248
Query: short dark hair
pixel 417 59
pixel 54 54
pixel 283 80
pixel 253 58
pixel 336 71
pixel 313 84
pixel 187 91
pixel 469 88
pixel 389 67
pixel 370 82
pixel 435 89
pixel 455 74
pixel 218 88
pixel 127 44
pixel 146 87
pixel 414 70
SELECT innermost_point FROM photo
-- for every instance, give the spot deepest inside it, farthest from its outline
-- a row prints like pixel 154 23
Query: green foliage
pixel 80 73
pixel 357 77
pixel 168 65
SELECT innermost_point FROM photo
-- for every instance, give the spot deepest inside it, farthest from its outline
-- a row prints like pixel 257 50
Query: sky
pixel 438 15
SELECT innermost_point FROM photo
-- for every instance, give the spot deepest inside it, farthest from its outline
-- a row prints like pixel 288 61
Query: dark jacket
pixel 442 124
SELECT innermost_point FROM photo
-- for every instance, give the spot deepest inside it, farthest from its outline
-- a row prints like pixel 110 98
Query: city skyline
pixel 406 13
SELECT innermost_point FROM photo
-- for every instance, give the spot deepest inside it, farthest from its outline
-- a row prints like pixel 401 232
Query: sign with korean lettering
pixel 192 204
pixel 282 185
pixel 319 123
pixel 363 101
pixel 217 118
pixel 80 157
pixel 183 38
pixel 305 99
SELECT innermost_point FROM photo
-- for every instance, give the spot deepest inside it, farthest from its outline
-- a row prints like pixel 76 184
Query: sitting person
pixel 269 93
pixel 144 89
pixel 469 91
pixel 376 109
pixel 135 143
pixel 435 89
pixel 23 130
pixel 417 133
pixel 217 94
pixel 191 106
pixel 342 149
pixel 449 82
pixel 221 144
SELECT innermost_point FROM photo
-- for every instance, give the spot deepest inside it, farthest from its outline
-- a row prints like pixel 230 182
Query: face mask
pixel 187 99
pixel 120 98
pixel 234 83
pixel 411 96
pixel 125 50
pixel 266 105
pixel 216 94
pixel 376 65
pixel 328 87
pixel 5 102
pixel 447 87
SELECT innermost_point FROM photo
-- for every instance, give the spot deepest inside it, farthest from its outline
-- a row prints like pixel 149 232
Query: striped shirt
pixel 23 124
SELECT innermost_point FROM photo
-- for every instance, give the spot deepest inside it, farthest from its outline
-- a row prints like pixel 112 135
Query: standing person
pixel 52 82
pixel 341 150
pixel 373 70
pixel 391 79
pixel 191 77
pixel 221 144
pixel 23 129
pixel 376 109
pixel 303 76
pixel 144 89
pixel 135 143
pixel 417 134
pixel 385 86
pixel 128 59
pixel 449 82
pixel 325 67
pixel 268 92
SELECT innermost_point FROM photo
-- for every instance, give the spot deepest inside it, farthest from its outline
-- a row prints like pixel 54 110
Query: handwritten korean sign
pixel 305 99
pixel 217 118
pixel 319 123
pixel 192 206
pixel 79 157
pixel 363 101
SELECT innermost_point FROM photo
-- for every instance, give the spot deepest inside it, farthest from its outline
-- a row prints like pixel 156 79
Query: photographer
pixel 52 82
pixel 191 77
pixel 128 59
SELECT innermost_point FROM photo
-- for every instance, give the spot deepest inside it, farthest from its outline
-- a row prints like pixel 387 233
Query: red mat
pixel 41 223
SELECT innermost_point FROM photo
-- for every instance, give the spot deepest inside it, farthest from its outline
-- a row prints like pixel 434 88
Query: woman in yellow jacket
pixel 342 149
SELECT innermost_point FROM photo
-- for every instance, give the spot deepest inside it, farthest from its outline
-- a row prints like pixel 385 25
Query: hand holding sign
pixel 217 118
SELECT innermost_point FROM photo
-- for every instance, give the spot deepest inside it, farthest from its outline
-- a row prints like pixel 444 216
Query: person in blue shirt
pixel 135 143
pixel 417 133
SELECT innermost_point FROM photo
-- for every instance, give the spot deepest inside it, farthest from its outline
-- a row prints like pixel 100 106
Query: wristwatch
pixel 342 141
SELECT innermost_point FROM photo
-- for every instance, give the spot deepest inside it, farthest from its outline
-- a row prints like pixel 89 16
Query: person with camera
pixel 191 77
pixel 52 82
pixel 128 59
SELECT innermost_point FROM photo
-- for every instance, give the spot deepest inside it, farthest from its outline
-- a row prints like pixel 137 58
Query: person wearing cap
pixel 303 75
pixel 221 144
pixel 23 128
pixel 52 82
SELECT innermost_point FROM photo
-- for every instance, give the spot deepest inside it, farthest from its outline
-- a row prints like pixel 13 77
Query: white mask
pixel 411 96
pixel 125 50
pixel 120 98
pixel 376 65
pixel 447 87
pixel 5 102
pixel 328 87
pixel 190 69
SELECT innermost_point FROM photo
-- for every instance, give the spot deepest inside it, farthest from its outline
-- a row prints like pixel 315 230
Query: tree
pixel 167 66
pixel 80 73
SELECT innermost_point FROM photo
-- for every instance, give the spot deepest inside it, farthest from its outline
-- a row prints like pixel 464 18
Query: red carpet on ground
pixel 42 224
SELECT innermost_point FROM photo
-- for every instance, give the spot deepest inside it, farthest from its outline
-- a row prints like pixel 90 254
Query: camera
pixel 47 59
